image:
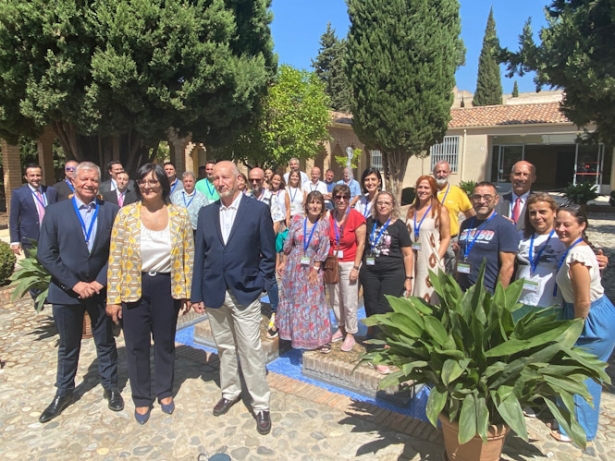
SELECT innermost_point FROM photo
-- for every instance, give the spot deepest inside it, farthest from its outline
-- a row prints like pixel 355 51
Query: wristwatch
pixel 409 278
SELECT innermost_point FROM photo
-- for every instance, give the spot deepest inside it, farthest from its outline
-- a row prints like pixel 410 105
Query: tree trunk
pixel 129 148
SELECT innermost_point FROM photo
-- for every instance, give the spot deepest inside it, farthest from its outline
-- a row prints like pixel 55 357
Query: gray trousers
pixel 236 330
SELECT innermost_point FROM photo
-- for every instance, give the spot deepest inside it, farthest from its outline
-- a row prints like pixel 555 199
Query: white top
pixel 281 199
pixel 155 250
pixel 364 206
pixel 227 217
pixel 540 285
pixel 320 186
pixel 296 200
pixel 585 255
pixel 302 176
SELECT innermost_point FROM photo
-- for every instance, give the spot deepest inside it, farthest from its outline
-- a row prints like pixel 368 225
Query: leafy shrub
pixel 580 193
pixel 7 262
pixel 31 276
pixel 468 186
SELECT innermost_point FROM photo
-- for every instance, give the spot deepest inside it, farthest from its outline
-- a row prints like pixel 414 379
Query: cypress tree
pixel 489 82
pixel 515 91
pixel 328 66
pixel 401 61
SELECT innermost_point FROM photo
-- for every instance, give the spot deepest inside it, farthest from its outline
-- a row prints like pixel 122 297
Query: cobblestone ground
pixel 308 423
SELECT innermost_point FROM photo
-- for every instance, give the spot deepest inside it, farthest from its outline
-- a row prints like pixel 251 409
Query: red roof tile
pixel 517 114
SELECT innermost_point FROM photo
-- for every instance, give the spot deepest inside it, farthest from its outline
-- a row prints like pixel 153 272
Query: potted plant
pixel 483 368
pixel 580 193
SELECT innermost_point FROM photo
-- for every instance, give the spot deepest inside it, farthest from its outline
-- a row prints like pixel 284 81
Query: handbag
pixel 331 270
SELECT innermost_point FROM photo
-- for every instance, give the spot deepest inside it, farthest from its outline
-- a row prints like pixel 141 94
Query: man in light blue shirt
pixel 353 184
pixel 190 198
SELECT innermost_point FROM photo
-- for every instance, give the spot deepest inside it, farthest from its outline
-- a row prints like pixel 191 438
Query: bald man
pixel 512 204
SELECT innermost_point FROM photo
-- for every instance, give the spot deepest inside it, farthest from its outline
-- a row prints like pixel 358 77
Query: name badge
pixel 370 261
pixel 293 207
pixel 416 246
pixel 340 254
pixel 463 268
pixel 529 285
pixel 305 261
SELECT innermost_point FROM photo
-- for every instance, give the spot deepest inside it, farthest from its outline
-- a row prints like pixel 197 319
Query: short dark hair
pixel 366 173
pixel 169 163
pixel 113 162
pixel 161 176
pixel 343 188
pixel 32 165
pixel 210 162
pixel 486 184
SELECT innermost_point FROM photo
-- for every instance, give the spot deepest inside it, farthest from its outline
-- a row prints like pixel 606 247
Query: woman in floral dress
pixel 303 313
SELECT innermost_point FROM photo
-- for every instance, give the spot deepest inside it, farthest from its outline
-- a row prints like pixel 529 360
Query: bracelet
pixel 356 268
pixel 409 278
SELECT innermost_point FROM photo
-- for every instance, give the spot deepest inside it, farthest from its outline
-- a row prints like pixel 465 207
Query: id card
pixel 531 286
pixel 340 254
pixel 370 261
pixel 416 246
pixel 305 261
pixel 463 268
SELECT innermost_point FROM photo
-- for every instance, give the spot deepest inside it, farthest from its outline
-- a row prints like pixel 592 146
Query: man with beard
pixel 456 201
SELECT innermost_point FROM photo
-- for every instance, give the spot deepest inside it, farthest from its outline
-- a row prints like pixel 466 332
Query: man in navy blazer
pixel 234 263
pixel 522 177
pixel 74 248
pixel 28 205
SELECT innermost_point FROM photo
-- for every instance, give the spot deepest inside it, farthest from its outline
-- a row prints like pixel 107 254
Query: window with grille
pixel 447 150
pixel 376 160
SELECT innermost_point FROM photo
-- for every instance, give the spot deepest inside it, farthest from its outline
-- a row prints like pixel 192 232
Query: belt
pixel 154 273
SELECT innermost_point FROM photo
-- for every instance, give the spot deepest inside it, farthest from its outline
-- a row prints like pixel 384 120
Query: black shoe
pixel 57 406
pixel 263 422
pixel 223 406
pixel 116 402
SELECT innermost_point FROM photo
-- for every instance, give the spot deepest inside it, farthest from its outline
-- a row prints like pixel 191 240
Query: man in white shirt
pixel 293 164
pixel 315 183
pixel 113 168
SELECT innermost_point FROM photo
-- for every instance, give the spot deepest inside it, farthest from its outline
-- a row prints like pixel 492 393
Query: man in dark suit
pixel 113 168
pixel 124 194
pixel 234 263
pixel 512 204
pixel 28 205
pixel 74 248
pixel 65 187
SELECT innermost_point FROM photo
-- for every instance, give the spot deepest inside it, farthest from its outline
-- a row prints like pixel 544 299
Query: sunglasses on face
pixel 341 197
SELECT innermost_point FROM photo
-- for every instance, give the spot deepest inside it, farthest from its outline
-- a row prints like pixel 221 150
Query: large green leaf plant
pixel 31 276
pixel 482 367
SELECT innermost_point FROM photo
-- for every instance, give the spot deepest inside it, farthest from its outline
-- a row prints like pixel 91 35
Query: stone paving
pixel 309 423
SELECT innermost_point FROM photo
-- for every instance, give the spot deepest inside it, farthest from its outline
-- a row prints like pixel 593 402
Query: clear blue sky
pixel 298 25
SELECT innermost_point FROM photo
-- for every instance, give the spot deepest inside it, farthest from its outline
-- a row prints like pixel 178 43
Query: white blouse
pixel 585 255
pixel 155 250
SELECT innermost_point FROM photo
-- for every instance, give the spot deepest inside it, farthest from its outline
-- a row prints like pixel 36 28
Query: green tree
pixel 328 66
pixel 575 53
pixel 515 91
pixel 111 77
pixel 489 81
pixel 401 62
pixel 292 122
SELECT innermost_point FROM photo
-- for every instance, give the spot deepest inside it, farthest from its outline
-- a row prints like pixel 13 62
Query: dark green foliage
pixel 113 76
pixel 489 81
pixel 31 275
pixel 580 193
pixel 400 62
pixel 7 262
pixel 328 65
pixel 482 367
pixel 515 91
pixel 576 54
pixel 468 186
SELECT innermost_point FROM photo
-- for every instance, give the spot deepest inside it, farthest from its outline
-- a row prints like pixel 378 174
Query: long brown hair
pixel 436 206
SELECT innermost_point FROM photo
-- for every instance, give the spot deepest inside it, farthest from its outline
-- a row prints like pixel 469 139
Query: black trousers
pixel 69 321
pixel 377 284
pixel 154 315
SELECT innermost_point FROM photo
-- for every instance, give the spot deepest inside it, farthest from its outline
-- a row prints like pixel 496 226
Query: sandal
pixel 326 349
pixel 272 331
pixel 557 435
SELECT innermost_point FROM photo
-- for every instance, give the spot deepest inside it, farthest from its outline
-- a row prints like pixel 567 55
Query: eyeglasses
pixel 383 204
pixel 478 197
pixel 70 168
pixel 149 182
pixel 255 180
pixel 341 197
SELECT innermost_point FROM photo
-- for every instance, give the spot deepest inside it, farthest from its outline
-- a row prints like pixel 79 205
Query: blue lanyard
pixel 209 188
pixel 87 233
pixel 174 186
pixel 534 261
pixel 292 197
pixel 70 185
pixel 373 243
pixel 366 210
pixel 184 195
pixel 561 261
pixel 42 202
pixel 418 228
pixel 306 243
pixel 445 194
pixel 477 232
pixel 336 229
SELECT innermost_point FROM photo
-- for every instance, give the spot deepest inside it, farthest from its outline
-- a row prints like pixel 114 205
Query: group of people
pixel 158 246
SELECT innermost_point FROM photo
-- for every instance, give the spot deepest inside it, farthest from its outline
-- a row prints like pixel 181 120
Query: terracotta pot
pixel 86 331
pixel 475 449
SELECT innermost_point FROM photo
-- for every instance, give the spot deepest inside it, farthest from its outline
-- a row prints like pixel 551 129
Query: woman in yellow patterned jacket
pixel 149 278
